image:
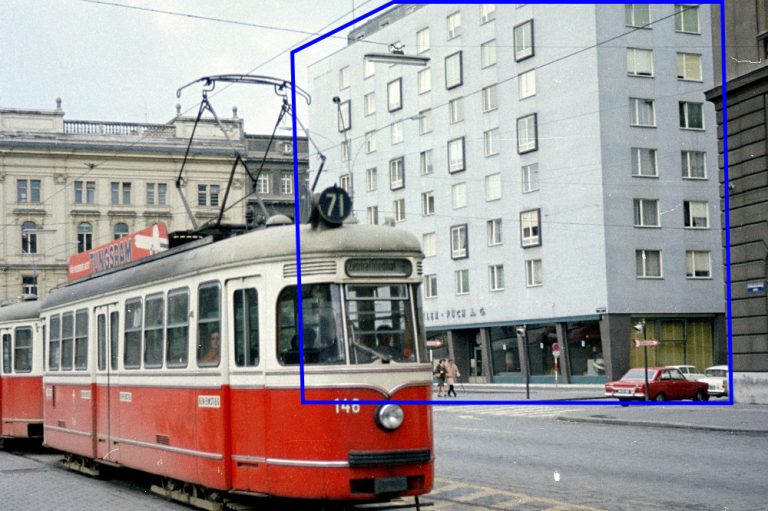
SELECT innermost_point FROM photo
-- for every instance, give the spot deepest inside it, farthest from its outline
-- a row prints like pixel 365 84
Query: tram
pixel 21 374
pixel 186 364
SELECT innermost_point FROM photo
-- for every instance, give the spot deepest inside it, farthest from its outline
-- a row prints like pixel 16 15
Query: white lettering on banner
pixel 85 394
pixel 126 397
pixel 208 402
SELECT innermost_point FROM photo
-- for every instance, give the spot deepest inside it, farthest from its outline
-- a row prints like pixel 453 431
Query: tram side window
pixel 81 340
pixel 114 340
pixel 101 339
pixel 22 351
pixel 208 324
pixel 67 340
pixel 6 353
pixel 153 331
pixel 54 342
pixel 177 328
pixel 246 311
pixel 132 347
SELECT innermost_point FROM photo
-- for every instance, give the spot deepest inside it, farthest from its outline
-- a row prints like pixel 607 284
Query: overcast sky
pixel 115 63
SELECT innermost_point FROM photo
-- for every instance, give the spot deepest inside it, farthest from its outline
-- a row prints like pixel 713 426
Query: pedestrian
pixel 440 373
pixel 451 373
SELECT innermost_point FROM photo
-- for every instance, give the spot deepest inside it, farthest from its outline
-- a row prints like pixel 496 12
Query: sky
pixel 123 60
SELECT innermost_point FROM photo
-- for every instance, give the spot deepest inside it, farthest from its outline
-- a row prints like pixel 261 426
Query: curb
pixel 671 425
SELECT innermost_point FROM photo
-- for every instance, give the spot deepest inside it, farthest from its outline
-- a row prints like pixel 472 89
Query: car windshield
pixel 722 373
pixel 637 374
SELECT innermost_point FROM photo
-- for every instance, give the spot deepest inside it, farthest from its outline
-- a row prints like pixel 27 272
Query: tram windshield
pixel 379 324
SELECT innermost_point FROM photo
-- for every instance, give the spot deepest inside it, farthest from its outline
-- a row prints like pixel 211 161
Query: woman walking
pixel 451 373
pixel 440 373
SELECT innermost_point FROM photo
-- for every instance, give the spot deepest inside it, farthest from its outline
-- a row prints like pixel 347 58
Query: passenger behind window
pixel 291 355
pixel 213 354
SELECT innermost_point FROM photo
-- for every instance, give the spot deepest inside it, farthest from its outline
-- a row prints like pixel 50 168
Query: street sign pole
pixel 645 356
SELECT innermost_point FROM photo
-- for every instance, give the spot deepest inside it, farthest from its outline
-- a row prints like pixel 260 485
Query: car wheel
pixel 623 401
pixel 660 397
pixel 700 396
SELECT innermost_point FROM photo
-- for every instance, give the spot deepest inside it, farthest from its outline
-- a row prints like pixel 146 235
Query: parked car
pixel 664 384
pixel 717 379
pixel 690 372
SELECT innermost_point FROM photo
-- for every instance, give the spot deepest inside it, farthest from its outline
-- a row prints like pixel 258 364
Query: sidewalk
pixel 587 403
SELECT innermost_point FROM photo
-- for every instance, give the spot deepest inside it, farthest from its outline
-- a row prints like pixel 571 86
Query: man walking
pixel 451 373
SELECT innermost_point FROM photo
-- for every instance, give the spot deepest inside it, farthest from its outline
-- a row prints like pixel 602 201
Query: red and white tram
pixel 21 374
pixel 186 364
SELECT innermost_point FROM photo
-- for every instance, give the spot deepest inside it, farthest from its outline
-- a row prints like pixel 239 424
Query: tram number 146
pixel 343 406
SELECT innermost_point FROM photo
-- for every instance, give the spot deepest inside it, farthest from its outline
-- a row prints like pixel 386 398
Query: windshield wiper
pixel 385 359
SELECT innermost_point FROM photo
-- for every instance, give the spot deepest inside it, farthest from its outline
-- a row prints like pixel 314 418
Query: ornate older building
pixel 69 185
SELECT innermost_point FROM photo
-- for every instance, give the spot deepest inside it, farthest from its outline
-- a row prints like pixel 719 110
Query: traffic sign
pixel 640 343
pixel 556 349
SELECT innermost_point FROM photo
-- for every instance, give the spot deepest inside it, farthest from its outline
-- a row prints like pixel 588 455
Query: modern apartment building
pixel 746 84
pixel 68 185
pixel 558 163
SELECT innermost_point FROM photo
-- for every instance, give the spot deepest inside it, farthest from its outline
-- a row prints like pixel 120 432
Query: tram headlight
pixel 389 417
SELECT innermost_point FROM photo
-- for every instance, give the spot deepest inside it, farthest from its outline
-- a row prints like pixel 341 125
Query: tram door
pixel 107 389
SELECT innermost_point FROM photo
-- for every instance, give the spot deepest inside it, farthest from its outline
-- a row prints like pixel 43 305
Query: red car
pixel 665 384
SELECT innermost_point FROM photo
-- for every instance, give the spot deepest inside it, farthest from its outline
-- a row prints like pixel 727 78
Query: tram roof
pixel 268 244
pixel 19 311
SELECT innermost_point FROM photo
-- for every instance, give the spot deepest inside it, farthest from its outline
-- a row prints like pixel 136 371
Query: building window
pixel 689 67
pixel 691 116
pixel 29 238
pixel 644 162
pixel 459 195
pixel 462 282
pixel 29 285
pixel 487 13
pixel 453 70
pixel 687 19
pixel 489 98
pixel 694 166
pixel 642 112
pixel 84 237
pixel 637 15
pixel 369 68
pixel 425 122
pixel 488 53
pixel 491 142
pixel 396 132
pixel 527 84
pixel 208 195
pixel 424 80
pixel 370 142
pixel 454 25
pixel 429 244
pixel 286 184
pixel 120 230
pixel 530 177
pixel 369 105
pixel 493 228
pixel 430 286
pixel 28 191
pixel 371 179
pixel 496 277
pixel 343 78
pixel 157 194
pixel 533 274
pixel 396 173
pixel 345 183
pixel 121 193
pixel 373 215
pixel 456 155
pixel 639 62
pixel 85 192
pixel 696 214
pixel 346 150
pixel 526 134
pixel 493 187
pixel 698 264
pixel 262 184
pixel 648 264
pixel 422 40
pixel 529 228
pixel 399 208
pixel 524 41
pixel 459 248
pixel 428 203
pixel 345 116
pixel 425 162
pixel 455 111
pixel 646 213
pixel 395 95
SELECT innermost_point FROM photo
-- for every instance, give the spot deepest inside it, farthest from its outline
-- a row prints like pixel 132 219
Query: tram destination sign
pixel 378 267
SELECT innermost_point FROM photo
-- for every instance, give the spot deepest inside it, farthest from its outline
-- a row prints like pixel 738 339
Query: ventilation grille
pixel 419 269
pixel 310 268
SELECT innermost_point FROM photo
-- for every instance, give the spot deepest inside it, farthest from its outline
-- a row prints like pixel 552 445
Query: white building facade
pixel 559 163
